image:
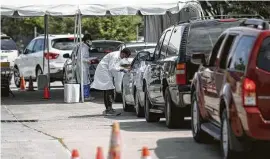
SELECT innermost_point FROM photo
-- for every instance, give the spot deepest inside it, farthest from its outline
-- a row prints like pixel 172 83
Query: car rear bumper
pixel 256 127
pixel 184 95
pixel 58 74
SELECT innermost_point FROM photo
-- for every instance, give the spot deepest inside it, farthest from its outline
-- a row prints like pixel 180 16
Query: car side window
pixel 225 50
pixel 242 52
pixel 215 50
pixel 165 44
pixel 30 47
pixel 157 49
pixel 174 44
pixel 263 60
pixel 39 45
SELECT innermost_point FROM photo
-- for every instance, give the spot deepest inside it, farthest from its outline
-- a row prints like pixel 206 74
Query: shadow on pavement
pixel 143 126
pixel 185 148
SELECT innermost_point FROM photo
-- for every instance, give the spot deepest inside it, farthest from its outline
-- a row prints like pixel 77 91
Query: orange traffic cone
pixel 145 153
pixel 46 93
pixel 99 154
pixel 75 154
pixel 115 145
pixel 22 83
pixel 31 84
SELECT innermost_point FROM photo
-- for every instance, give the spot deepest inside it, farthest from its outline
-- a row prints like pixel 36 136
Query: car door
pixel 207 79
pixel 156 66
pixel 219 74
pixel 36 58
pixel 24 62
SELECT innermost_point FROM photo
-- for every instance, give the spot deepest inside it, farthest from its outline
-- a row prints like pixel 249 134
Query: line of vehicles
pixel 217 71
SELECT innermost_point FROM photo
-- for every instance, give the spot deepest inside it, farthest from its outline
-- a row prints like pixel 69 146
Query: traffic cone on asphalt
pixel 145 153
pixel 115 142
pixel 99 154
pixel 46 93
pixel 75 154
pixel 22 83
pixel 31 84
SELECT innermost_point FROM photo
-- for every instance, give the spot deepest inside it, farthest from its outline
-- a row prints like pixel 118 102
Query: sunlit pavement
pixel 52 128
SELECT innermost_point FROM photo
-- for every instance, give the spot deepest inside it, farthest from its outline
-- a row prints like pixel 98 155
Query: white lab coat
pixel 85 64
pixel 110 64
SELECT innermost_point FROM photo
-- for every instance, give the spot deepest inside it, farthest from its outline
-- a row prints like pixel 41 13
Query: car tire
pixel 126 107
pixel 174 116
pixel 117 97
pixel 17 77
pixel 149 116
pixel 199 135
pixel 138 108
pixel 226 147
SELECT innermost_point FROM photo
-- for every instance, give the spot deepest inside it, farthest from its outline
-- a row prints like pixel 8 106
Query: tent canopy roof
pixel 93 7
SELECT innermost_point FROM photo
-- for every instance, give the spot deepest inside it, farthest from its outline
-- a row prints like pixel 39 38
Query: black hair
pixel 126 51
pixel 86 37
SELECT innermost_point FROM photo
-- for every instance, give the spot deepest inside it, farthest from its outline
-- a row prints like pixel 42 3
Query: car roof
pixel 245 30
pixel 101 41
pixel 140 44
pixel 56 36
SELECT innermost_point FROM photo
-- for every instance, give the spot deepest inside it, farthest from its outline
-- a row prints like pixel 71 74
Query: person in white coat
pixel 83 52
pixel 103 79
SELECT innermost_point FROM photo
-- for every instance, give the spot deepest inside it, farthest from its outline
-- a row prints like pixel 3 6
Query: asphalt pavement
pixel 35 128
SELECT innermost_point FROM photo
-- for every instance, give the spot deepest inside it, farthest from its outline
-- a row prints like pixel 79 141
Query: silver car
pixel 134 48
pixel 132 93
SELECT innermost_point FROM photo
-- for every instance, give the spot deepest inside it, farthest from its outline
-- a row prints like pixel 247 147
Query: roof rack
pixel 227 16
pixel 256 23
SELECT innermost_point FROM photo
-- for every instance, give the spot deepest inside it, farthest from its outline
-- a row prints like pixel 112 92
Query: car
pixel 231 89
pixel 132 93
pixel 134 47
pixel 9 50
pixel 168 77
pixel 98 49
pixel 30 62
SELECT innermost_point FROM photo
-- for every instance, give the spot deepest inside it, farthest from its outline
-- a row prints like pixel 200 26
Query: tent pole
pixel 44 48
pixel 47 34
pixel 81 61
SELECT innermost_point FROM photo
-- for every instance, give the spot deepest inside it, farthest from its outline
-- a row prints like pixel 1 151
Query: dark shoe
pixel 109 112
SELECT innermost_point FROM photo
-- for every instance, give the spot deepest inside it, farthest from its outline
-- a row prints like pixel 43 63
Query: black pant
pixel 108 98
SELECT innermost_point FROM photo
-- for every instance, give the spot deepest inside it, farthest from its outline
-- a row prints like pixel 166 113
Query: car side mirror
pixel 198 59
pixel 66 56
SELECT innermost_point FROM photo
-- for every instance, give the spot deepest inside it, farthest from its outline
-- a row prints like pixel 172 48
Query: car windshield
pixel 104 47
pixel 203 36
pixel 63 43
pixel 135 49
pixel 8 44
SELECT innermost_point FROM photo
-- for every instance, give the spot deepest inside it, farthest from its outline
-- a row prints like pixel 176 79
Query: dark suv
pixel 231 90
pixel 167 79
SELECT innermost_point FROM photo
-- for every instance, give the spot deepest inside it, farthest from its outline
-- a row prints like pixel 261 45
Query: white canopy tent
pixel 153 11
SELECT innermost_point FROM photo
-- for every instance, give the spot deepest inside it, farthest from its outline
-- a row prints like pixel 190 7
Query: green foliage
pixel 114 27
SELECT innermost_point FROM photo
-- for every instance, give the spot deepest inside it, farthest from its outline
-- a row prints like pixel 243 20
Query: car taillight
pixel 94 61
pixel 107 51
pixel 181 73
pixel 249 92
pixel 51 55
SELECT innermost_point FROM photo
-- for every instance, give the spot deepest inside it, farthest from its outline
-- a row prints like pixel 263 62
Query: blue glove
pixel 123 70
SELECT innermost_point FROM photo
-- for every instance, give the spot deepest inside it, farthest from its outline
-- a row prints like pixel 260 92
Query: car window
pixel 135 49
pixel 8 44
pixel 63 43
pixel 174 44
pixel 157 49
pixel 104 47
pixel 165 44
pixel 203 35
pixel 39 45
pixel 242 52
pixel 225 51
pixel 30 47
pixel 214 53
pixel 263 60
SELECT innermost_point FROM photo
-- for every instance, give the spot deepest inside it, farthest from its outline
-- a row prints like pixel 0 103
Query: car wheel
pixel 117 96
pixel 227 151
pixel 149 116
pixel 138 108
pixel 17 78
pixel 174 116
pixel 126 107
pixel 38 72
pixel 198 134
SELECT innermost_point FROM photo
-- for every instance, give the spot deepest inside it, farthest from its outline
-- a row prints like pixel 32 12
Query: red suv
pixel 231 91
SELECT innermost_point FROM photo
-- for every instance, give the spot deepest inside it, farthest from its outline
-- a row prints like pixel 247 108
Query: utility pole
pixel 35 32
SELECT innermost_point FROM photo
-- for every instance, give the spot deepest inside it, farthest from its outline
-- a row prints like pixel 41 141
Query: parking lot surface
pixel 32 127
